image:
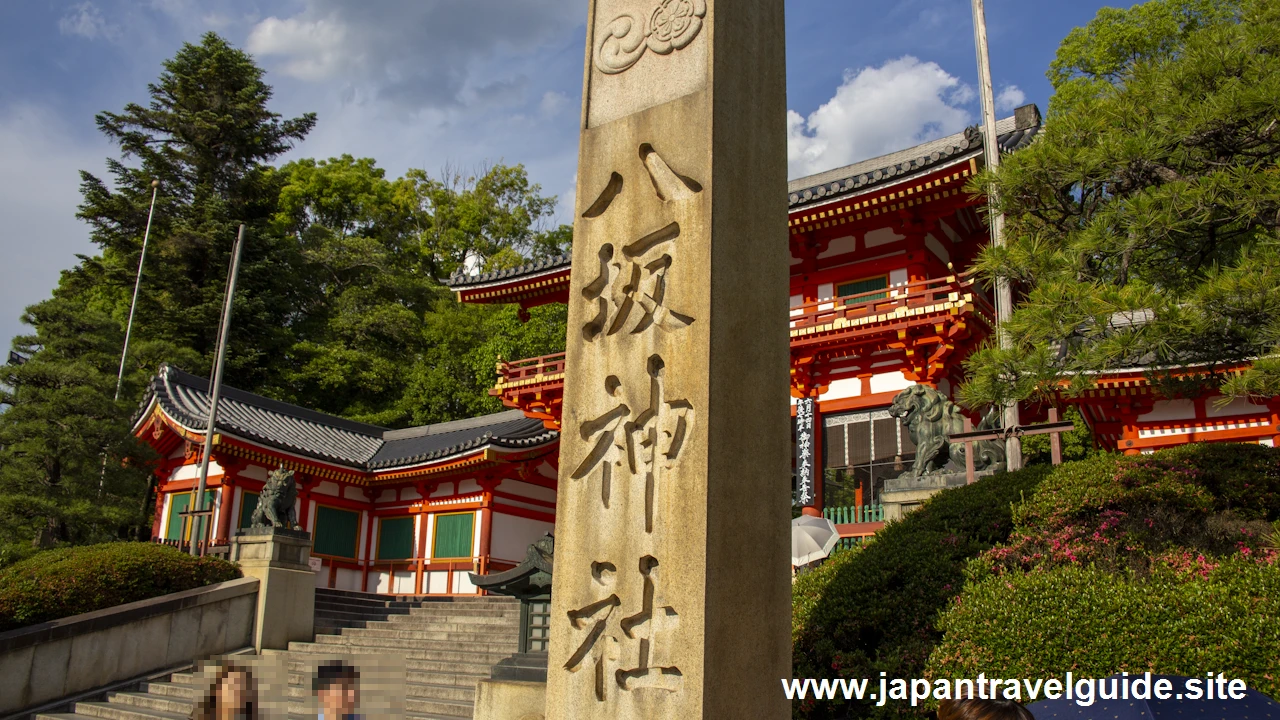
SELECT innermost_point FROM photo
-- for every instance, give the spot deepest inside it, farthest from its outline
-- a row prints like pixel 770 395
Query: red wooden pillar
pixel 226 502
pixel 424 519
pixel 1274 407
pixel 1129 432
pixel 371 494
pixel 487 485
pixel 306 484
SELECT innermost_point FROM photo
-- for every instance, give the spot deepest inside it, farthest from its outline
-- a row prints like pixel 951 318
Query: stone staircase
pixel 339 609
pixel 447 645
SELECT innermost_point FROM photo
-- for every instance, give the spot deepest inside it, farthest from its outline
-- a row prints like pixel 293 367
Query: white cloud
pixel 1010 98
pixel 553 102
pixel 86 21
pixel 877 110
pixel 314 49
pixel 414 53
pixel 39 182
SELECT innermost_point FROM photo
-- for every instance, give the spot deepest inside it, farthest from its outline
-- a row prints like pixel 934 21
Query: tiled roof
pixel 458 280
pixel 863 175
pixel 509 429
pixel 185 398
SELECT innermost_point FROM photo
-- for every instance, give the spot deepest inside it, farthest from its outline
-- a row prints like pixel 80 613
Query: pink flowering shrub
pixel 1131 512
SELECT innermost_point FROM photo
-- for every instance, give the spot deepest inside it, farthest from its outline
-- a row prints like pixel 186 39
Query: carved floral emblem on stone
pixel 672 25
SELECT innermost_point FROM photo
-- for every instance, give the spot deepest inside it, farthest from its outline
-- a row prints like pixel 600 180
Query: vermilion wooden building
pixel 880 300
pixel 404 511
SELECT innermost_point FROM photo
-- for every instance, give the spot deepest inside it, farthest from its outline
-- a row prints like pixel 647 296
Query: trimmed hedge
pixel 60 583
pixel 1097 623
pixel 1158 562
pixel 875 609
pixel 1124 513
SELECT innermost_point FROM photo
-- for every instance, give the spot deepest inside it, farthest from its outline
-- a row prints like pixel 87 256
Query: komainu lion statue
pixel 931 419
pixel 276 502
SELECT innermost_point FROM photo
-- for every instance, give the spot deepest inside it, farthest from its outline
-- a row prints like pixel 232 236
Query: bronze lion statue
pixel 276 502
pixel 931 419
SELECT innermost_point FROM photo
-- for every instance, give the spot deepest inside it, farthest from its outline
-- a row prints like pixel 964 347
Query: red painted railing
pixel 517 371
pixel 913 295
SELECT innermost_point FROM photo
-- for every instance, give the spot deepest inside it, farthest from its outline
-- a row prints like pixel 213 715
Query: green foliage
pixel 1118 512
pixel 380 340
pixel 338 304
pixel 1077 444
pixel 1097 623
pixel 1143 222
pixel 1157 562
pixel 875 608
pixel 69 581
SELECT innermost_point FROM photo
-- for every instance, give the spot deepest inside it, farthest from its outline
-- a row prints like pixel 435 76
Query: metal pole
pixel 128 329
pixel 215 391
pixel 991 151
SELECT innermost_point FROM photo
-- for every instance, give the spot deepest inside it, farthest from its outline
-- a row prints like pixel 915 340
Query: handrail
pixel 911 295
pixel 531 367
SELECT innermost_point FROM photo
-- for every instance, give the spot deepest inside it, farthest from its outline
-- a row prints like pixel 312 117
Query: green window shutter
pixel 179 504
pixel 865 286
pixel 395 538
pixel 453 536
pixel 248 503
pixel 337 532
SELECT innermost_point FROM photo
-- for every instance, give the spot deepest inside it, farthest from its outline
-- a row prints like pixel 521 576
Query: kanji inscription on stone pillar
pixel 672 591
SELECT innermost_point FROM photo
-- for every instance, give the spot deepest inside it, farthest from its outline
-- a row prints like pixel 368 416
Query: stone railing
pixel 49 661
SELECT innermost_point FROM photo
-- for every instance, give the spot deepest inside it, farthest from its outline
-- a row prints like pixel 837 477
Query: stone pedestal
pixel 287 585
pixel 903 494
pixel 509 700
pixel 671 589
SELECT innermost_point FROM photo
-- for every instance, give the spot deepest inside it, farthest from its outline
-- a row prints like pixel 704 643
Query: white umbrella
pixel 811 539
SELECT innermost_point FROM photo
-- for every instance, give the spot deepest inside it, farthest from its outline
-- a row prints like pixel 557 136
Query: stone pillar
pixel 286 584
pixel 671 591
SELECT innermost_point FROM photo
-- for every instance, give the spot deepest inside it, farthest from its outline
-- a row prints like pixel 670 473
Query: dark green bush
pixel 1096 622
pixel 875 608
pixel 1126 512
pixel 69 581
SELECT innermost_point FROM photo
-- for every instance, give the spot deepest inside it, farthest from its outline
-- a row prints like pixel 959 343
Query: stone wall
pixel 52 660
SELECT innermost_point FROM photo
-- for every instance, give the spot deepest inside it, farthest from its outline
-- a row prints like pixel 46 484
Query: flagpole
pixel 214 393
pixel 137 283
pixel 991 152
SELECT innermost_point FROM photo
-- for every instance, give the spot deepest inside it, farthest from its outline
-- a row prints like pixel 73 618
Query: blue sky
pixel 436 83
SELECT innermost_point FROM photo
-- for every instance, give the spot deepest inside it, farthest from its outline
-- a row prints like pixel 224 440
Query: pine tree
pixel 1144 224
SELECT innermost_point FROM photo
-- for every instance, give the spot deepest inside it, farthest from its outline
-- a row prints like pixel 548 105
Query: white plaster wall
pixel 844 388
pixel 347 579
pixel 944 387
pixel 379 582
pixel 881 236
pixel 513 535
pixel 191 472
pixel 351 492
pixel 403 582
pixel 937 248
pixel 388 495
pixel 468 486
pixel 840 246
pixel 1165 410
pixel 255 472
pixel 410 494
pixel 435 582
pixel 898 278
pixel 889 382
pixel 524 489
pixel 462 583
pixel 326 487
pixel 322 574
pixel 1269 442
pixel 363 552
pixel 1238 406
